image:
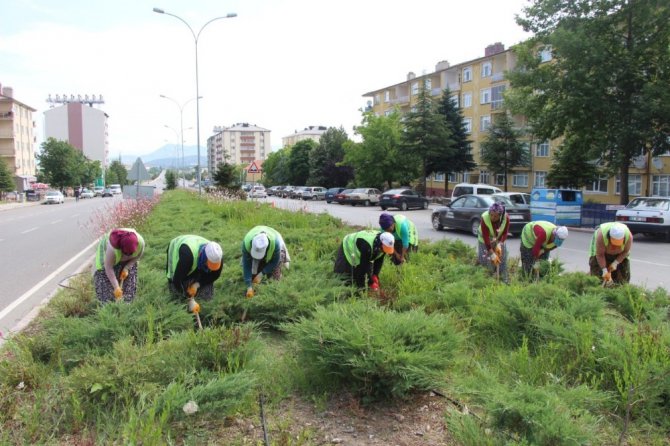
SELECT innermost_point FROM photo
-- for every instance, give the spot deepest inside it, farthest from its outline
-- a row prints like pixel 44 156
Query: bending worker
pixel 493 231
pixel 263 252
pixel 404 232
pixel 361 254
pixel 537 239
pixel 116 259
pixel 610 247
pixel 193 265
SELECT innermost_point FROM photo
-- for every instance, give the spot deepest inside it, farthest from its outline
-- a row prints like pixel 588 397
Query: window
pixel 467 122
pixel 467 99
pixel 497 96
pixel 660 185
pixel 634 185
pixel 439 176
pixel 415 88
pixel 453 177
pixel 483 176
pixel 377 99
pixel 387 96
pixel 428 83
pixel 545 54
pixel 484 123
pixel 542 149
pixel 466 177
pixel 520 179
pixel 499 179
pixel 467 74
pixel 486 69
pixel 540 179
pixel 598 186
pixel 485 96
pixel 454 99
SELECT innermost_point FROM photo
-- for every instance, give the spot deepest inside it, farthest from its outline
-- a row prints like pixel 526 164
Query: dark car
pixel 465 213
pixel 330 193
pixel 403 199
pixel 107 192
pixel 275 191
pixel 341 197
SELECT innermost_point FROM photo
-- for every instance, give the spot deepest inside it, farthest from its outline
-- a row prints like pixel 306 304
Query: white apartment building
pixel 241 143
pixel 81 125
pixel 312 132
pixel 17 140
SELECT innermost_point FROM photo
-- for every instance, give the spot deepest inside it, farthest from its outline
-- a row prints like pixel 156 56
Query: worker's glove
pixel 375 279
pixel 193 306
pixel 258 278
pixel 193 289
pixel 613 265
pixel 494 258
pixel 286 264
pixel 250 293
pixel 118 293
pixel 374 286
pixel 536 266
pixel 124 274
pixel 498 249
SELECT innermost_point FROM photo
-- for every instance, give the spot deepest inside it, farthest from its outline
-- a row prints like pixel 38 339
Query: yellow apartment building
pixel 477 86
pixel 239 144
pixel 17 140
pixel 312 132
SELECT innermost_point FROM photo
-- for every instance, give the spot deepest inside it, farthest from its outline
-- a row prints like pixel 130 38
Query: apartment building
pixel 477 86
pixel 241 143
pixel 312 132
pixel 82 126
pixel 17 139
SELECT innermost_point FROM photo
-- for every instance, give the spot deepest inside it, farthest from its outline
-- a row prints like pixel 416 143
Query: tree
pixel 6 177
pixel 60 164
pixel 378 159
pixel 325 160
pixel 426 136
pixel 298 162
pixel 116 173
pixel 275 168
pixel 501 149
pixel 170 180
pixel 605 88
pixel 459 156
pixel 227 176
pixel 571 167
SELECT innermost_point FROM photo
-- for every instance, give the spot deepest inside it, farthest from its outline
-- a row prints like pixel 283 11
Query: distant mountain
pixel 189 161
pixel 166 152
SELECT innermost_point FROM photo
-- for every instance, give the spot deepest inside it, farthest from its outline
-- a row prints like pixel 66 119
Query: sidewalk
pixel 7 205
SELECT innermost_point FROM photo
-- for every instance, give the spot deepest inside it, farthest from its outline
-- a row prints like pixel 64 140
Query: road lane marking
pixel 44 281
pixel 56 221
pixel 29 230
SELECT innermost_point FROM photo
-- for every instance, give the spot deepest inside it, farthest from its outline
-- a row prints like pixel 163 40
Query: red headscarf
pixel 124 240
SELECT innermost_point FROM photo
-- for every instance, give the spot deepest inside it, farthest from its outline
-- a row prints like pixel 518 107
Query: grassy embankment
pixel 559 362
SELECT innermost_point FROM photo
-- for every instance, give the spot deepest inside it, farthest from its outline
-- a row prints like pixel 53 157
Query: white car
pixel 258 192
pixel 647 215
pixel 54 197
pixel 86 193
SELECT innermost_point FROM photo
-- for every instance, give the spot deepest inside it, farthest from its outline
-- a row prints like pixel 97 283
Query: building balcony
pixel 400 100
pixel 497 77
pixel 497 105
pixel 7 135
pixel 455 86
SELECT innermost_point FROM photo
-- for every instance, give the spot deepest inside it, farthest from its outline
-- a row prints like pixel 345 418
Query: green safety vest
pixel 102 249
pixel 486 218
pixel 411 229
pixel 528 236
pixel 272 234
pixel 605 229
pixel 351 252
pixel 194 242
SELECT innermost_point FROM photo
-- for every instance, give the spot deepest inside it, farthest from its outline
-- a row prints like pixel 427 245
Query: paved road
pixel 41 246
pixel 650 263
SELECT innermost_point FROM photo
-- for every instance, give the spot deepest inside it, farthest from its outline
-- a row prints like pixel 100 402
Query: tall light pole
pixel 197 86
pixel 181 124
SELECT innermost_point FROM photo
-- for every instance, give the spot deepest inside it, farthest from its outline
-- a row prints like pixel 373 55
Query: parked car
pixel 116 189
pixel 465 213
pixel 473 189
pixel 274 190
pixel 515 197
pixel 402 199
pixel 296 193
pixel 647 215
pixel 258 192
pixel 32 195
pixel 247 188
pixel 314 193
pixel 86 193
pixel 98 190
pixel 330 193
pixel 107 192
pixel 343 197
pixel 364 195
pixel 286 192
pixel 54 197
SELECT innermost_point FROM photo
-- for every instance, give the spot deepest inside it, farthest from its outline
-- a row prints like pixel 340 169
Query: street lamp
pixel 181 123
pixel 197 86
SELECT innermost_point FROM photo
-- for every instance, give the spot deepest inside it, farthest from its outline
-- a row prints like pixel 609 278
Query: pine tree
pixel 502 150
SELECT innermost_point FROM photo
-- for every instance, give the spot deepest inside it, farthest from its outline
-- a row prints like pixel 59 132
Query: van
pixel 474 189
pixel 116 189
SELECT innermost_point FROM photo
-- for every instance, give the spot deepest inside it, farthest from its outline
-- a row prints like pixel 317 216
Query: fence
pixel 594 214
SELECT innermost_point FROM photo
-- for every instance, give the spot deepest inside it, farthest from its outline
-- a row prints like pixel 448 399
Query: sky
pixel 282 65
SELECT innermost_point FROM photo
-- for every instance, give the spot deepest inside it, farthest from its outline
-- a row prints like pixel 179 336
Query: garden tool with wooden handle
pixel 194 307
pixel 122 277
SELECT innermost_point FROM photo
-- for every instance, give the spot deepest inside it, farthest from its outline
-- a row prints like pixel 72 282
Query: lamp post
pixel 181 125
pixel 197 86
